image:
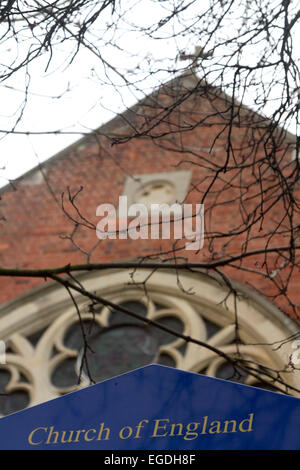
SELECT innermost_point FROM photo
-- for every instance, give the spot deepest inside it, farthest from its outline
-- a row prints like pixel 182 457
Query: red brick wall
pixel 35 224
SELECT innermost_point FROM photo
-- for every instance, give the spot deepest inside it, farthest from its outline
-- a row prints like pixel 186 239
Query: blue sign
pixel 157 407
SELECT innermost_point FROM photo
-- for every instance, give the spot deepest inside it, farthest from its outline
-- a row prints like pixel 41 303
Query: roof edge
pixel 189 78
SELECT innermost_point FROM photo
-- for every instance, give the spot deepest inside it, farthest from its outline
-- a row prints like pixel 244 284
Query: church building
pixel 171 148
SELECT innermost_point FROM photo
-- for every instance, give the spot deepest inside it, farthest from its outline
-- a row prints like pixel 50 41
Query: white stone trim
pixel 261 324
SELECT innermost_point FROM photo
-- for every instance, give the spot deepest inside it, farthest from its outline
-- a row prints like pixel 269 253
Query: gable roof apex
pixel 189 80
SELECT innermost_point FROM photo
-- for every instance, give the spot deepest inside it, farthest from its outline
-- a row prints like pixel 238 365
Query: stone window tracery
pixel 45 351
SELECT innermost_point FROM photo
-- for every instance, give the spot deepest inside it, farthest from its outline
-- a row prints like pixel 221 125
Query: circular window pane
pixel 156 192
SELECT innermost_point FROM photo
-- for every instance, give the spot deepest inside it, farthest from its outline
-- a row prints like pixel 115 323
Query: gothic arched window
pixel 44 340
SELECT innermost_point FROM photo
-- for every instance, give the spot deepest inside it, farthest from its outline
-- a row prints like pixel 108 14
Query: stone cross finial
pixel 198 54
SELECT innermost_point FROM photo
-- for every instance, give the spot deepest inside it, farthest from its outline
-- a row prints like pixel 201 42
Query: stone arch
pixel 42 354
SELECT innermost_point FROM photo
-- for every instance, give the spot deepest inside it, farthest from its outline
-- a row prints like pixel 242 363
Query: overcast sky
pixel 68 98
pixel 72 98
